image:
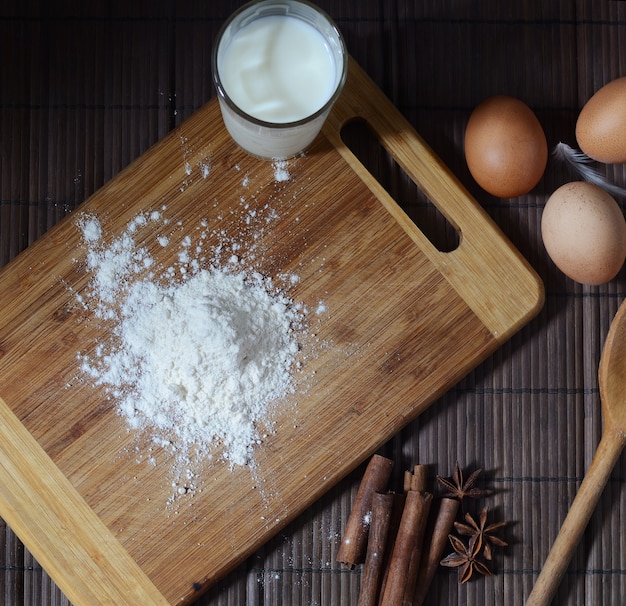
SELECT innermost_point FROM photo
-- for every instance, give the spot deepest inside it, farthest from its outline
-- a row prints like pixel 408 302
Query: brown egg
pixel 505 147
pixel 601 124
pixel 584 232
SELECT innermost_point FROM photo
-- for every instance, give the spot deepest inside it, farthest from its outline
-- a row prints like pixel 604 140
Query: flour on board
pixel 195 358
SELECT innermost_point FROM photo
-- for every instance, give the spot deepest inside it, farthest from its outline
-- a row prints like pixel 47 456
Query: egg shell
pixel 505 147
pixel 584 232
pixel 601 124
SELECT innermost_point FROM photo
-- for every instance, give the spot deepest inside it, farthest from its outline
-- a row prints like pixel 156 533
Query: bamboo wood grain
pixel 61 530
pixel 405 322
pixel 475 261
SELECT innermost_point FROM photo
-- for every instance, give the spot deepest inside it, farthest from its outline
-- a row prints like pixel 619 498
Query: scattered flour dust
pixel 281 170
pixel 195 360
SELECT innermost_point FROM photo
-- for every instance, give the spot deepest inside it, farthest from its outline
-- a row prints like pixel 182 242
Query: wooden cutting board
pixel 402 323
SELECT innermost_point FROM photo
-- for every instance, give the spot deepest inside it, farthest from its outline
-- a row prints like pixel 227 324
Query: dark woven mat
pixel 87 87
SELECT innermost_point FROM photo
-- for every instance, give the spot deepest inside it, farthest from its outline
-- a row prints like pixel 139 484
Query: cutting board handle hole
pixel 366 146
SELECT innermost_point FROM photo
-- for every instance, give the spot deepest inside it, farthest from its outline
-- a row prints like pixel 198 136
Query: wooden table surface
pixel 86 89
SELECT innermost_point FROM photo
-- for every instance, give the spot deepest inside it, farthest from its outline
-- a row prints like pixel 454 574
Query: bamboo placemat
pixel 87 87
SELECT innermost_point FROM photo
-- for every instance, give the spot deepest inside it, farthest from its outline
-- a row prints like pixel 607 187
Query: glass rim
pixel 221 91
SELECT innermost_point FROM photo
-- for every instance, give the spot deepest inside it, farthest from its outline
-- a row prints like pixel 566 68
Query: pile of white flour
pixel 195 359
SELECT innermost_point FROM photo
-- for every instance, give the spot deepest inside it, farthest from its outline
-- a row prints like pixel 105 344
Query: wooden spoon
pixel 612 381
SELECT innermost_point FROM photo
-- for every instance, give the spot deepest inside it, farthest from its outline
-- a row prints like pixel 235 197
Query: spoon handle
pixel 586 499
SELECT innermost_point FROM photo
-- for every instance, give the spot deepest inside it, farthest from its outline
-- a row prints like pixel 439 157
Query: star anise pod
pixel 479 529
pixel 465 558
pixel 459 488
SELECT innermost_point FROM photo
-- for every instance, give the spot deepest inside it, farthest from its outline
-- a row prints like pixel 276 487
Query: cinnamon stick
pixel 354 541
pixel 408 479
pixel 399 499
pixel 382 506
pixel 416 479
pixel 413 480
pixel 435 546
pixel 407 548
pixel 419 477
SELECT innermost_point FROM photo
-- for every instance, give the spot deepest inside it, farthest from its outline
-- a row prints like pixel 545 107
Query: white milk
pixel 278 66
pixel 278 69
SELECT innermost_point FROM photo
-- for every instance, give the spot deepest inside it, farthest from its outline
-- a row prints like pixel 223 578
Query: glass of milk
pixel 278 67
